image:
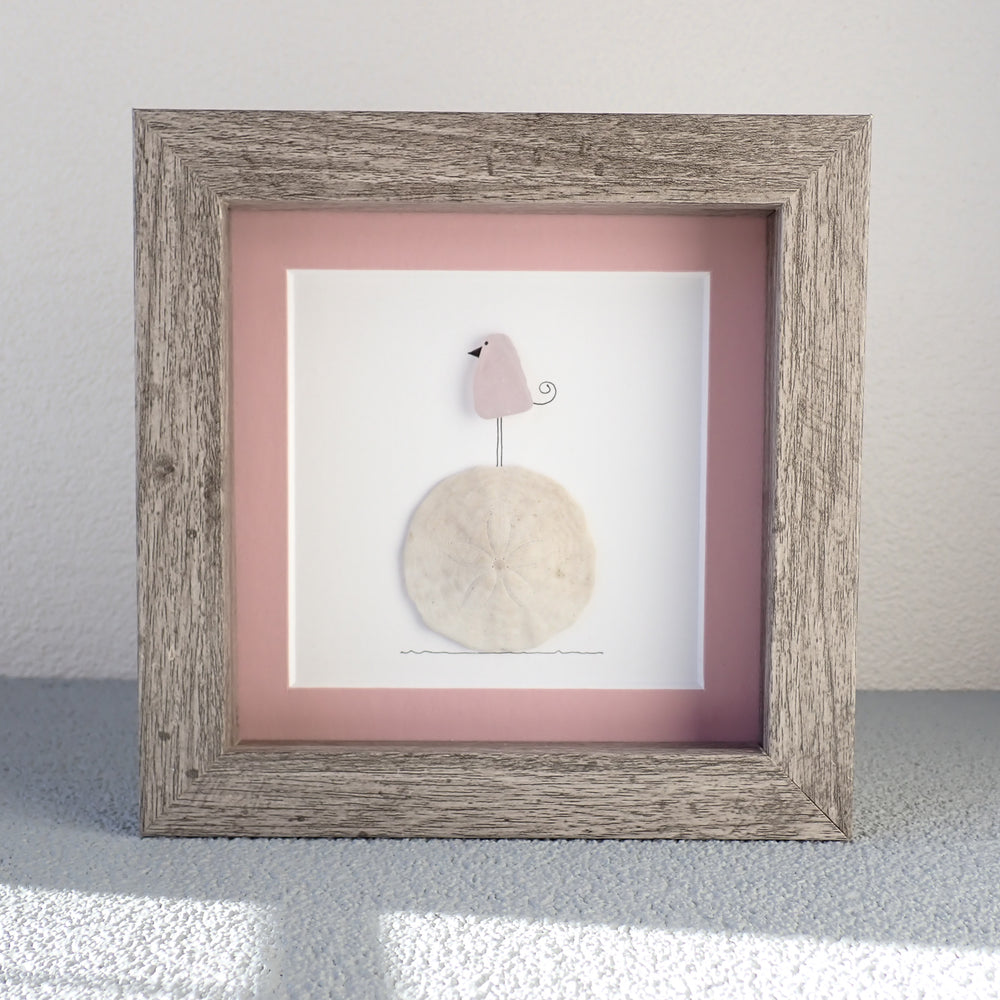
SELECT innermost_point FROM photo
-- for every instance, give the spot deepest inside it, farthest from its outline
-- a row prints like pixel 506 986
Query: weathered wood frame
pixel 809 173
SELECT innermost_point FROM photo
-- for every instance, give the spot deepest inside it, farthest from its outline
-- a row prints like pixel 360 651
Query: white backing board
pixel 380 410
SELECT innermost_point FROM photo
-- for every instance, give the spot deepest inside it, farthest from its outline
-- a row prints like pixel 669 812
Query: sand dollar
pixel 499 559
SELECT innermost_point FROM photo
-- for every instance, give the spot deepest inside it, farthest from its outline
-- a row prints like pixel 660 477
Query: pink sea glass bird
pixel 499 388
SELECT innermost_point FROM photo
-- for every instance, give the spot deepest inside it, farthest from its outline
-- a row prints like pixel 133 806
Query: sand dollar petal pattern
pixel 499 559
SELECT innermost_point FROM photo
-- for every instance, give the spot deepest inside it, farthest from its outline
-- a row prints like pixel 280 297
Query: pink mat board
pixel 265 244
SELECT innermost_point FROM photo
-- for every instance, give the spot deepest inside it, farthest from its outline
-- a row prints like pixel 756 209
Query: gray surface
pixel 87 909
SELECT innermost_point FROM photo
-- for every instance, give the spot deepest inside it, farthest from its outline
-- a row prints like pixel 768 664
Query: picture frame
pixel 809 174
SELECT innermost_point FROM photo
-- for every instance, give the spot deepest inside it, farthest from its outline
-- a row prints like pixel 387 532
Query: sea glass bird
pixel 499 388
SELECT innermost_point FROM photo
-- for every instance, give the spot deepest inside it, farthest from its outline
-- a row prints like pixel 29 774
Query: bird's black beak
pixel 475 353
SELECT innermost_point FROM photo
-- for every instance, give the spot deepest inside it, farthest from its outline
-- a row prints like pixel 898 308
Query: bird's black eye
pixel 485 342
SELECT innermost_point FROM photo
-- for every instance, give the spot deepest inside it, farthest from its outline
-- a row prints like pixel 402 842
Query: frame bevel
pixel 810 173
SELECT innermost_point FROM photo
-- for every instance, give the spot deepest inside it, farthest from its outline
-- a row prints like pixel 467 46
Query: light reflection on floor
pixel 95 946
pixel 444 957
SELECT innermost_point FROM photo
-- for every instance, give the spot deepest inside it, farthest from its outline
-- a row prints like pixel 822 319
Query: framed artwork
pixel 498 473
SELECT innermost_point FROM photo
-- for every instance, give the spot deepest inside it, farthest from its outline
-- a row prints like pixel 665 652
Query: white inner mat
pixel 380 410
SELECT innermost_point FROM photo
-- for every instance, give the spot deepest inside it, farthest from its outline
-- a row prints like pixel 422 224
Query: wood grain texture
pixel 815 447
pixel 810 172
pixel 184 649
pixel 515 791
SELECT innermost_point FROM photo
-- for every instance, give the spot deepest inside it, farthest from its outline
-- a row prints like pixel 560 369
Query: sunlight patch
pixel 438 957
pixel 95 946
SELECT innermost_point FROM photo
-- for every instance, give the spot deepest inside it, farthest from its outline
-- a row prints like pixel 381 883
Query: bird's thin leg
pixel 499 442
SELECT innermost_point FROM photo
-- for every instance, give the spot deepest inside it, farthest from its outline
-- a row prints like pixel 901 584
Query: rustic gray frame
pixel 809 173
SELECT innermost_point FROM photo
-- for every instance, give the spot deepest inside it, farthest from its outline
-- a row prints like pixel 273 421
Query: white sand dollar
pixel 499 559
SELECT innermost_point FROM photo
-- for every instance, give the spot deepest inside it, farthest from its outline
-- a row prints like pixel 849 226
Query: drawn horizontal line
pixel 505 652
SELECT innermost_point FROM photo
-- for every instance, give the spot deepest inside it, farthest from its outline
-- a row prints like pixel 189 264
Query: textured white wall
pixel 71 72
